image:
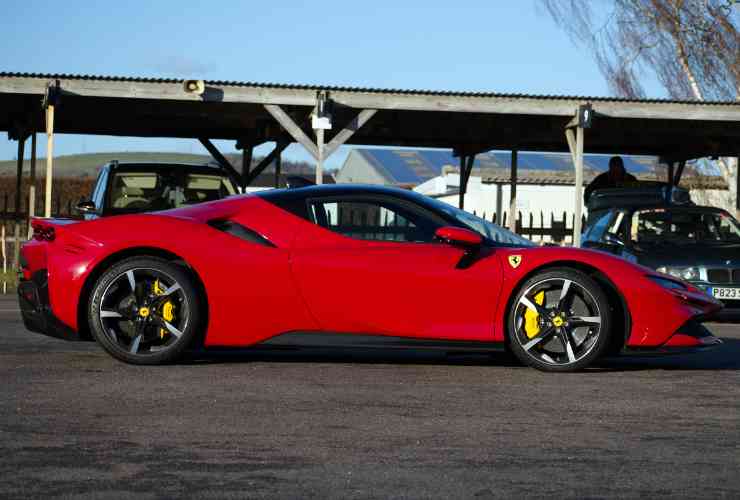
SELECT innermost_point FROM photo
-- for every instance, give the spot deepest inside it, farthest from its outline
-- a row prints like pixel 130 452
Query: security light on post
pixel 321 117
pixel 585 115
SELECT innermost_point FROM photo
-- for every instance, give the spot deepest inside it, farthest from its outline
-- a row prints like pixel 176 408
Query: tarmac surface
pixel 326 423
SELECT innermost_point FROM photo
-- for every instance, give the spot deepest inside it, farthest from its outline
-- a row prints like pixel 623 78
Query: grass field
pixel 87 165
pixel 10 278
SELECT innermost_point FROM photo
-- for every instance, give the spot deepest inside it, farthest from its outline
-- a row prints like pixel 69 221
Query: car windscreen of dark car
pixel 665 226
pixel 152 191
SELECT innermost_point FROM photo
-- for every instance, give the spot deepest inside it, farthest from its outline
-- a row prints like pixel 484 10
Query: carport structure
pixel 468 123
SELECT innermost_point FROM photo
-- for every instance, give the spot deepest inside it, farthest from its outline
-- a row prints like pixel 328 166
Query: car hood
pixel 691 255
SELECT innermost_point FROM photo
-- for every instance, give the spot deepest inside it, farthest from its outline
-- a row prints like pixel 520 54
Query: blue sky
pixel 493 45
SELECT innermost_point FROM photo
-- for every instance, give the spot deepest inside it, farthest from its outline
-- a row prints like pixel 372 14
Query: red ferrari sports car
pixel 376 265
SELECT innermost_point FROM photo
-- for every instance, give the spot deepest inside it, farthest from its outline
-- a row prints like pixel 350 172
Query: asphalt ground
pixel 325 423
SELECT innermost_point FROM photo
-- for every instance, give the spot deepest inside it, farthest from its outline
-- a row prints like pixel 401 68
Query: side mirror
pixel 613 240
pixel 459 236
pixel 86 207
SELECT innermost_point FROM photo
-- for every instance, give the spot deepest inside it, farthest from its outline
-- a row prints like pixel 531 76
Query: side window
pixel 141 191
pixel 372 220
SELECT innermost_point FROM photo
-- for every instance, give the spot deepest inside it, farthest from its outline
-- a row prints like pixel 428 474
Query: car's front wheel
pixel 144 310
pixel 559 321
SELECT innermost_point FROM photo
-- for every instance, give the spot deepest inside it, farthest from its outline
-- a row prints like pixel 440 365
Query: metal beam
pixel 670 169
pixel 352 127
pixel 221 159
pixel 265 162
pixel 293 129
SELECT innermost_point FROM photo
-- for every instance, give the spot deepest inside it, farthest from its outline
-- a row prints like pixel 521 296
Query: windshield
pixel 661 226
pixel 151 191
pixel 483 227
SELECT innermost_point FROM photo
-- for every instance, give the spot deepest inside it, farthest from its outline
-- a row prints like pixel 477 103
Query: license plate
pixel 726 293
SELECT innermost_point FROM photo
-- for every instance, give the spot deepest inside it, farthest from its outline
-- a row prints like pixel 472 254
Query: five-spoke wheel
pixel 559 321
pixel 144 310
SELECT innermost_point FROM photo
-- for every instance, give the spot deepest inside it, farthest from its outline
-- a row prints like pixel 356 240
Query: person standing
pixel 615 177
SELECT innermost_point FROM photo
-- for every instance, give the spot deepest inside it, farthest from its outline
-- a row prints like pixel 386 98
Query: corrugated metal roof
pixel 338 88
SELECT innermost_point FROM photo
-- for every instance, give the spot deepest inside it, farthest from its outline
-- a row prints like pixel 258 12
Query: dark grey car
pixel 126 188
pixel 659 227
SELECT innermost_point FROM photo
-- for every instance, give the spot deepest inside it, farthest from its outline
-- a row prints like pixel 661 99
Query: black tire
pixel 570 328
pixel 126 291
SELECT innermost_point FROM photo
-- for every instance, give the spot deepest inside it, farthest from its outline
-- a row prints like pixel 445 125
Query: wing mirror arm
pixel 613 240
pixel 470 241
pixel 86 207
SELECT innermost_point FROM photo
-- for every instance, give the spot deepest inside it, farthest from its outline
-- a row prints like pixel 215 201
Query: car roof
pixel 646 194
pixel 683 208
pixel 189 167
pixel 325 190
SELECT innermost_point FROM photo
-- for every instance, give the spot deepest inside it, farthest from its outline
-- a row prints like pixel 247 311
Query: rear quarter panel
pixel 250 292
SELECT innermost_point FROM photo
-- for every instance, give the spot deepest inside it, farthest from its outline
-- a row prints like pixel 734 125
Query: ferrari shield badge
pixel 515 260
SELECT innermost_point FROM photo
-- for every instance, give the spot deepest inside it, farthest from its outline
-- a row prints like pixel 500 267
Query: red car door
pixel 369 266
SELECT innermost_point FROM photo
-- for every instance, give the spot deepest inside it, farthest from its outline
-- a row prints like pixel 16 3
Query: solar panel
pixel 417 166
pixel 633 165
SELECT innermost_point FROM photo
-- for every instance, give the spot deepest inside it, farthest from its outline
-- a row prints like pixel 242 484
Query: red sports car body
pixel 354 260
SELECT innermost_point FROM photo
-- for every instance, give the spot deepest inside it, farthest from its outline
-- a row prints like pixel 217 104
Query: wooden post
pixel 5 258
pixel 247 151
pixel 278 166
pixel 512 194
pixel 18 197
pixel 466 168
pixel 49 158
pixel 32 186
pixel 579 188
pixel 320 159
pixel 679 172
pixel 462 183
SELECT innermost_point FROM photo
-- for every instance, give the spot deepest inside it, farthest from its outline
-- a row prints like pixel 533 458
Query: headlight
pixel 685 273
pixel 667 283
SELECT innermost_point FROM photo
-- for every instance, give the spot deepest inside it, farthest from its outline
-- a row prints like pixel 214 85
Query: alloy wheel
pixel 557 321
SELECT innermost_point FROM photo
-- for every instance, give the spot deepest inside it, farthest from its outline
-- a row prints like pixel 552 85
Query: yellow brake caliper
pixel 531 325
pixel 168 308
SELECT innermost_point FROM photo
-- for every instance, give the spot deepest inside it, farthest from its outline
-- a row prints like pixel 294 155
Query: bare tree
pixel 692 47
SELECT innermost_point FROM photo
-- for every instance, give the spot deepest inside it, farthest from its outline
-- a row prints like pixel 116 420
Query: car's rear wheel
pixel 559 321
pixel 144 310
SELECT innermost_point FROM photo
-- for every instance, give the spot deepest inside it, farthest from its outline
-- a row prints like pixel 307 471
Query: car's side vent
pixel 241 232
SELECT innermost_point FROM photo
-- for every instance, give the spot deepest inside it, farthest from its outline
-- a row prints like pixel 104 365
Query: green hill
pixel 87 165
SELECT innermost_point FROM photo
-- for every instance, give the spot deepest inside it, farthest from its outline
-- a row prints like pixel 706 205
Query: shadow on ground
pixel 723 357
